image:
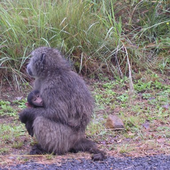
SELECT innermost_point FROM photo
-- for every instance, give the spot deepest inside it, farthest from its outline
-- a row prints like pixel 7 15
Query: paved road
pixel 159 162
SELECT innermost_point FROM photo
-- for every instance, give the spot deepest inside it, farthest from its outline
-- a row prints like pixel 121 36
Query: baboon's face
pixel 43 61
pixel 37 65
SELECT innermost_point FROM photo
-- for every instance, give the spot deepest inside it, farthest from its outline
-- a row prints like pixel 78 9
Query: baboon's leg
pixel 54 137
pixel 87 145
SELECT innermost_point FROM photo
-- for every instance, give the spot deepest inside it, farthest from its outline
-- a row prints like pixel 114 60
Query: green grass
pixel 6 109
pixel 97 35
pixel 149 108
pixel 10 135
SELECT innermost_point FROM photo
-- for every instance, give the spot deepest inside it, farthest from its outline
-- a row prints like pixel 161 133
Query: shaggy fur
pixel 60 124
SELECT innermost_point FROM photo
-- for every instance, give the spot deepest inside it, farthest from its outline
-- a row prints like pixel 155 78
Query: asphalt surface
pixel 159 162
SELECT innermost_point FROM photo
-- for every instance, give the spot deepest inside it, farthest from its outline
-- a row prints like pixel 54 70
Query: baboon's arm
pixel 29 114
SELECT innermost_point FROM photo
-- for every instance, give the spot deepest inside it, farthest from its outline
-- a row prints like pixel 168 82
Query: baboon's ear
pixel 42 59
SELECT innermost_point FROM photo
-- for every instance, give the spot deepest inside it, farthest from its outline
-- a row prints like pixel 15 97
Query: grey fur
pixel 68 105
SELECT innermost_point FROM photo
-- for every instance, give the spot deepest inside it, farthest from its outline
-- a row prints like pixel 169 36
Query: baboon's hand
pixel 26 116
pixel 22 117
pixel 29 127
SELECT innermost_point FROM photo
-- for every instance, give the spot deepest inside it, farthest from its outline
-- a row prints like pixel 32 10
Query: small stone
pixel 114 122
pixel 166 106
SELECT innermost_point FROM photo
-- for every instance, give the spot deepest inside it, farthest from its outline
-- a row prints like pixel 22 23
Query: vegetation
pixel 145 117
pixel 99 36
pixel 103 39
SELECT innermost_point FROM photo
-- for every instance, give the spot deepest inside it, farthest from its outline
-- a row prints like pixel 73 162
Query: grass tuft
pixel 97 35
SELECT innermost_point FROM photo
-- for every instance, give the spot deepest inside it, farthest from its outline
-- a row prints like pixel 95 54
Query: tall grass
pixel 97 35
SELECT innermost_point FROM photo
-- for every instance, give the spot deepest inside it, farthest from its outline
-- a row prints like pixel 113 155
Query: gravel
pixel 159 162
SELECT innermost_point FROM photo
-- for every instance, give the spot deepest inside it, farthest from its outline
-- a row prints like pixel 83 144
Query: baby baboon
pixel 34 99
pixel 67 101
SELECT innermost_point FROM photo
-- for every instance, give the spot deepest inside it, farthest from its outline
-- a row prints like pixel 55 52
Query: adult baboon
pixel 60 124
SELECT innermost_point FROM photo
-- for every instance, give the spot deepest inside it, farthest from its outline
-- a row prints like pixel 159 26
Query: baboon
pixel 34 99
pixel 67 101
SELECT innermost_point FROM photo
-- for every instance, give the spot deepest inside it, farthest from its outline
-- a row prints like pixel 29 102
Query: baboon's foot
pixel 99 156
pixel 37 150
pixel 87 145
